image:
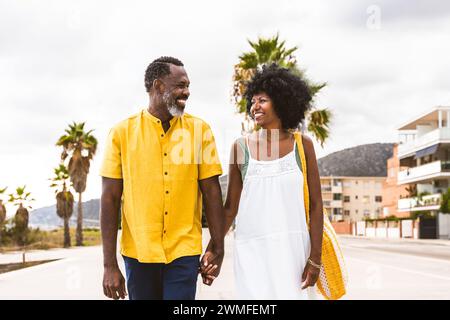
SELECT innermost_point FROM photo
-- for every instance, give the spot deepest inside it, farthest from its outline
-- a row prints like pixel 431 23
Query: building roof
pixel 367 160
pixel 430 115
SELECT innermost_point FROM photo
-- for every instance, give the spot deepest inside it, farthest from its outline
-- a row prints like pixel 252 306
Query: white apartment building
pixel 425 150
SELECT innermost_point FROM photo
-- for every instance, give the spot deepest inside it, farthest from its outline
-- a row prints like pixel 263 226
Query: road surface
pixel 378 269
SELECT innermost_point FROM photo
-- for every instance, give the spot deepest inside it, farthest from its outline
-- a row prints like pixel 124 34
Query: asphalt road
pixel 393 269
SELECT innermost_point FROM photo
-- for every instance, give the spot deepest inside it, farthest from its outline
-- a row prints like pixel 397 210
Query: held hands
pixel 310 274
pixel 210 264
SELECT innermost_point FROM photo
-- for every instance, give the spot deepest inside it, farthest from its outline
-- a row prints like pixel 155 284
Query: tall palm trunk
pixel 66 232
pixel 79 235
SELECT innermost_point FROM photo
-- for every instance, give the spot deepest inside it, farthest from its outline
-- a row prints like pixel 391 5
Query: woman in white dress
pixel 275 255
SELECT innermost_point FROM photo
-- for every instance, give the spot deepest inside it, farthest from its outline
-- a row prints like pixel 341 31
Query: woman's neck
pixel 273 134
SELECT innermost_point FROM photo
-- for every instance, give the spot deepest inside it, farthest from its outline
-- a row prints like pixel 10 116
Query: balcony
pixel 337 217
pixel 336 189
pixel 336 204
pixel 441 135
pixel 429 202
pixel 326 203
pixel 425 172
pixel 326 188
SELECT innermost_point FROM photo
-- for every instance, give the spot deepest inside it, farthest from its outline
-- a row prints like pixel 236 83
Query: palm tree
pixel 64 199
pixel 22 199
pixel 2 213
pixel 267 51
pixel 80 146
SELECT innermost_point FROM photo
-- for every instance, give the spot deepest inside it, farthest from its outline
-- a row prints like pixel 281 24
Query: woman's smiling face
pixel 262 109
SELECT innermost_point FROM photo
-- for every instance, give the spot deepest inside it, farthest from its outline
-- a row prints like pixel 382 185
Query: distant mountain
pixel 46 218
pixel 367 160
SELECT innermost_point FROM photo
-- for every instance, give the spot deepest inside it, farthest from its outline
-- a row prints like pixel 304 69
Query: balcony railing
pixel 431 201
pixel 425 171
pixel 336 203
pixel 327 203
pixel 425 140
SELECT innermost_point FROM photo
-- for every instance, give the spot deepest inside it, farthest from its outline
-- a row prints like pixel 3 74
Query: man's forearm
pixel 215 217
pixel 109 220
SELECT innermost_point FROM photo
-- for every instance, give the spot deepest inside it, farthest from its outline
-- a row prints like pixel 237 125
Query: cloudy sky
pixel 63 61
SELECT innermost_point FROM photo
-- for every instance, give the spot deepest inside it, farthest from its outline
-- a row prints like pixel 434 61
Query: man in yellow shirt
pixel 157 167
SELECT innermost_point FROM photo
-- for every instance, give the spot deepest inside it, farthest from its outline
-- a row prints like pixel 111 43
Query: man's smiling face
pixel 176 90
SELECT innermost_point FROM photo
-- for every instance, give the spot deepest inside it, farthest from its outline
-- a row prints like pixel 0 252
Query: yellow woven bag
pixel 332 280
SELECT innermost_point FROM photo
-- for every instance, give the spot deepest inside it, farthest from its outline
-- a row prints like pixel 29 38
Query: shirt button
pixel 167 192
pixel 165 173
pixel 158 121
pixel 164 231
pixel 166 213
pixel 165 154
pixel 162 135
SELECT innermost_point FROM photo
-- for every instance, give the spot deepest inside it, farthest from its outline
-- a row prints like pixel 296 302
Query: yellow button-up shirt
pixel 161 202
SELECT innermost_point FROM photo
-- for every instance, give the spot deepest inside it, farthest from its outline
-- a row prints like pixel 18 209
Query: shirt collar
pixel 157 120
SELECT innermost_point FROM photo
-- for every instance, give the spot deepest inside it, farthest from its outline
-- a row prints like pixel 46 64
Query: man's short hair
pixel 159 68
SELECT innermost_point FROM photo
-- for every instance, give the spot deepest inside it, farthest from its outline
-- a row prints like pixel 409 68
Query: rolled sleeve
pixel 112 162
pixel 210 163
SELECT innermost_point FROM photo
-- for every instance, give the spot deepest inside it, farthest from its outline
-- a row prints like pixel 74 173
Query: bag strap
pixel 242 143
pixel 301 152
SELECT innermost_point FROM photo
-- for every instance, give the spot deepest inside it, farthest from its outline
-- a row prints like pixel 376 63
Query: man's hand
pixel 113 283
pixel 310 276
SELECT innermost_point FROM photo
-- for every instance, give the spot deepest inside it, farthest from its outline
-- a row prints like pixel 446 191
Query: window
pixel 337 196
pixel 337 183
pixel 356 197
pixel 346 212
pixel 366 213
pixel 356 211
pixel 356 182
pixel 378 199
pixel 346 198
pixel 366 199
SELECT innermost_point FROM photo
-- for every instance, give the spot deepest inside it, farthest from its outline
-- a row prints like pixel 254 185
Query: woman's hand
pixel 310 275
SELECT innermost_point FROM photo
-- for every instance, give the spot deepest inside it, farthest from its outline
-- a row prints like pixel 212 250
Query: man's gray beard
pixel 174 111
pixel 171 106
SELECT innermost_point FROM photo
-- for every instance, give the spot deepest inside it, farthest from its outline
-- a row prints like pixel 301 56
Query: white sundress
pixel 272 242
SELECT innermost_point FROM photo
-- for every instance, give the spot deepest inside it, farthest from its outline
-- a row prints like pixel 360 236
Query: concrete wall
pixel 384 229
pixel 342 227
pixel 444 226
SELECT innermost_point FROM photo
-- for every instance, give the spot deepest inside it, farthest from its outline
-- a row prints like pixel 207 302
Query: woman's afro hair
pixel 290 94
